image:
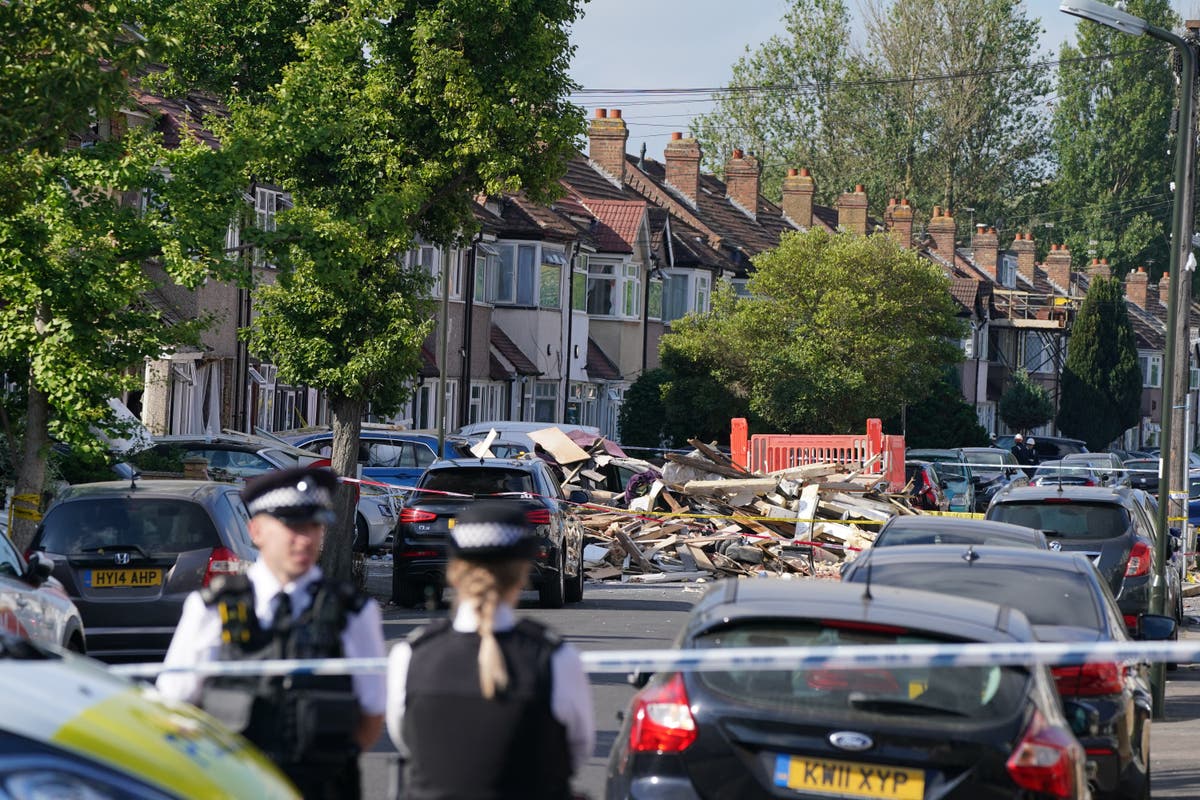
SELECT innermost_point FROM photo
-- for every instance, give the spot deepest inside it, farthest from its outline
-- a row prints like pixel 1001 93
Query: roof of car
pixel 227 440
pixel 193 490
pixel 973 620
pixel 1096 494
pixel 929 522
pixel 492 463
pixel 944 554
pixel 934 451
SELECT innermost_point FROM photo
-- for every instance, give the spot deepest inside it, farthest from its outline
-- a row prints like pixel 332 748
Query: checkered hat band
pixel 290 497
pixel 475 535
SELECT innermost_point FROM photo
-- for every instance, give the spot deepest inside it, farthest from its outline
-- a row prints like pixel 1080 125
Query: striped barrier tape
pixel 597 662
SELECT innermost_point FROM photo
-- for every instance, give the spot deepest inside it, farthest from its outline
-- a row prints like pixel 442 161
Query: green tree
pixel 696 402
pixel 74 241
pixel 382 119
pixel 1111 196
pixel 1101 382
pixel 1025 405
pixel 837 328
pixel 640 421
pixel 941 419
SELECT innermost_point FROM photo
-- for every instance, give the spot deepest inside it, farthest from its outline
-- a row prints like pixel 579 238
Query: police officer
pixel 487 706
pixel 313 727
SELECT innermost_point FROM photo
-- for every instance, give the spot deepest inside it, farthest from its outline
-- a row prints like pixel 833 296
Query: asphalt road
pixel 616 616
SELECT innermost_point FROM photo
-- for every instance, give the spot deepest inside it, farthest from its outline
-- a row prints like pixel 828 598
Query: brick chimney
pixel 607 135
pixel 1135 287
pixel 941 230
pixel 1058 267
pixel 741 181
pixel 798 190
pixel 985 250
pixel 1098 268
pixel 682 158
pixel 899 221
pixel 852 211
pixel 1164 289
pixel 1026 249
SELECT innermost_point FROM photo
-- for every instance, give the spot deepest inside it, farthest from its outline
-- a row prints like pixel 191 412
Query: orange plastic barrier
pixel 768 452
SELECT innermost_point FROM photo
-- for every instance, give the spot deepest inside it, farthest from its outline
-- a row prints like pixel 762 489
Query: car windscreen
pixel 902 536
pixel 477 480
pixel 1067 520
pixel 153 525
pixel 1046 596
pixel 949 468
pixel 933 692
pixel 987 463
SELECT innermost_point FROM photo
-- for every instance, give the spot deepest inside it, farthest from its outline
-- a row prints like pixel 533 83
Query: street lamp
pixel 1180 222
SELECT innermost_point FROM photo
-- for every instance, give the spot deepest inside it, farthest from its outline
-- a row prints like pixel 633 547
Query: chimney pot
pixel 600 112
pixel 614 113
pixel 737 153
pixel 804 172
pixel 937 211
pixel 792 172
pixel 676 136
pixel 858 187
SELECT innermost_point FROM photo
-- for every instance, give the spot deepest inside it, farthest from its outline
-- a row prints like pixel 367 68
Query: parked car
pixel 1112 526
pixel 947 732
pixel 992 469
pixel 1144 473
pixel 516 431
pixel 447 487
pixel 923 529
pixel 129 552
pixel 1047 448
pixel 926 489
pixel 1109 466
pixel 952 468
pixel 1066 600
pixel 34 605
pixel 238 457
pixel 386 454
pixel 73 729
pixel 1056 473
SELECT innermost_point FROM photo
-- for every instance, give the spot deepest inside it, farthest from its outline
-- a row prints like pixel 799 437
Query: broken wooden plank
pixel 699 557
pixel 705 466
pixel 716 456
pixel 670 577
pixel 805 471
pixel 602 573
pixel 634 551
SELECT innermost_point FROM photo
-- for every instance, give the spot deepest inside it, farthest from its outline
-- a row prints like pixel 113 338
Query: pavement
pixel 1175 769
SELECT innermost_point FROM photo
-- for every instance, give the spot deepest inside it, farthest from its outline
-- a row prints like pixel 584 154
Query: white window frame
pixel 602 273
pixel 1151 366
pixel 703 293
pixel 545 392
pixel 631 291
pixel 267 204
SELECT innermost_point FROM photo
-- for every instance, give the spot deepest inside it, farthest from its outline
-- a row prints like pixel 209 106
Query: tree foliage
pixel 940 103
pixel 640 421
pixel 941 419
pixel 1025 404
pixel 837 328
pixel 1111 141
pixel 1101 382
pixel 382 119
pixel 697 404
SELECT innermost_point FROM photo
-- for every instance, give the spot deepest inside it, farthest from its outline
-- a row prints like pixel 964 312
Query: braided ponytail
pixel 482 585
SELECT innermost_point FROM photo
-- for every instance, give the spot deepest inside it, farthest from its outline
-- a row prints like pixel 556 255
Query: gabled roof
pixel 508 349
pixel 619 223
pixel 176 117
pixel 599 366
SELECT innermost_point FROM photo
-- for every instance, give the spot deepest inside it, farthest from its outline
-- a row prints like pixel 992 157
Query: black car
pixel 1066 600
pixel 446 487
pixel 1047 448
pixel 1111 526
pixel 992 469
pixel 128 553
pixel 901 732
pixel 926 529
pixel 1143 473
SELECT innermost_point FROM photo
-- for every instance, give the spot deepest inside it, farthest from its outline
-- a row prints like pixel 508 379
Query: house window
pixel 631 292
pixel 516 277
pixel 487 261
pixel 1193 379
pixel 579 282
pixel 545 401
pixel 1151 371
pixel 427 258
pixel 1036 357
pixel 675 296
pixel 602 290
pixel 267 204
pixel 702 290
pixel 550 284
pixel 654 299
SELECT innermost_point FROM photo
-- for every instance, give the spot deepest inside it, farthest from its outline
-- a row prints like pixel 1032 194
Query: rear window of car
pixel 1046 596
pixel 153 525
pixel 478 481
pixel 986 462
pixel 950 693
pixel 951 469
pixel 1067 520
pixel 901 536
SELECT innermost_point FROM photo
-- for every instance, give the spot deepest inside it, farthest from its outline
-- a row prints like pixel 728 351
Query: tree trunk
pixel 31 472
pixel 337 558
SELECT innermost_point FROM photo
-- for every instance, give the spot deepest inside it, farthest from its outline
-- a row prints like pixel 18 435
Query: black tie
pixel 283 612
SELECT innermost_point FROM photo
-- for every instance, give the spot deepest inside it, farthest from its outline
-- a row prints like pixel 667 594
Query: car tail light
pixel 1045 759
pixel 662 721
pixel 1139 560
pixel 539 517
pixel 223 561
pixel 1131 622
pixel 419 554
pixel 416 515
pixel 1089 680
pixel 1088 482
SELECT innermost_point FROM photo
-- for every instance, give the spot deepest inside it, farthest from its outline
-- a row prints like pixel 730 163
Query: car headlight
pixel 51 777
pixel 386 510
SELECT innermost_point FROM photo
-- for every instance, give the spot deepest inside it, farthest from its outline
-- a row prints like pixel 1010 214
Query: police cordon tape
pixel 596 662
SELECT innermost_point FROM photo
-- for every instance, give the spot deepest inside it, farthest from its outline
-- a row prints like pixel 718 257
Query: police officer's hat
pixel 493 530
pixel 302 494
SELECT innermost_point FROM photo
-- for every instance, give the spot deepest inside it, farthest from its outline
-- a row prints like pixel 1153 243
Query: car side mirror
pixel 40 567
pixel 638 680
pixel 579 496
pixel 1084 718
pixel 1155 627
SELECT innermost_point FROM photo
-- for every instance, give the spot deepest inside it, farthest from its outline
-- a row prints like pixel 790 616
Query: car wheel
pixel 75 644
pixel 575 583
pixel 408 594
pixel 552 591
pixel 362 537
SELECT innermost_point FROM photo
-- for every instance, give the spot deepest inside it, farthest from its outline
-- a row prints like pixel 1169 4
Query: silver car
pixel 34 605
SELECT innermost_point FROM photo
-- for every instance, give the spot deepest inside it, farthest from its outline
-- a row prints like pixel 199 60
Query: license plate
pixel 113 578
pixel 450 523
pixel 848 778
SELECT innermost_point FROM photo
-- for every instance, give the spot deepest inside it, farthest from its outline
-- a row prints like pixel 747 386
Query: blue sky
pixel 667 44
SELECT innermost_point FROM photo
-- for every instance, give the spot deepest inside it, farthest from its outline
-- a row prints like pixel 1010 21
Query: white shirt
pixel 198 637
pixel 570 694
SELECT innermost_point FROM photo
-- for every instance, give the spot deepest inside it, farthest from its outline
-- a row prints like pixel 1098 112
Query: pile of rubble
pixel 706 517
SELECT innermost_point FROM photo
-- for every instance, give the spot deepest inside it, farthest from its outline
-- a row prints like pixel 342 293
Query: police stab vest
pixel 307 720
pixel 466 746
